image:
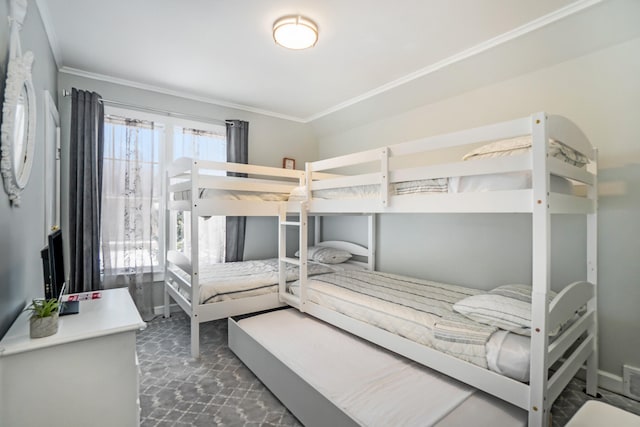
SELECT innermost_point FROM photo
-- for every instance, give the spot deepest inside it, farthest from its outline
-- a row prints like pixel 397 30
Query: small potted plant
pixel 44 317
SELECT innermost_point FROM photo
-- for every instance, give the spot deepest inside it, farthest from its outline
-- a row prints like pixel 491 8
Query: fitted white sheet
pixel 505 181
pixel 373 386
pixel 509 354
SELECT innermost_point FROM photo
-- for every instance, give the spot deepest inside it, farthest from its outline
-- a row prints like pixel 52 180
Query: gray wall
pixel 270 139
pixel 22 229
pixel 601 93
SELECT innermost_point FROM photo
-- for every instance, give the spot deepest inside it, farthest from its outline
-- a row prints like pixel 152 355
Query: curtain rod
pixel 66 93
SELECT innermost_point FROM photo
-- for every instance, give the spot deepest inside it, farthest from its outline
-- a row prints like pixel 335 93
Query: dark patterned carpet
pixel 218 390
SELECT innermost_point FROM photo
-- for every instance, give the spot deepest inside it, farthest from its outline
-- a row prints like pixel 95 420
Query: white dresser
pixel 85 375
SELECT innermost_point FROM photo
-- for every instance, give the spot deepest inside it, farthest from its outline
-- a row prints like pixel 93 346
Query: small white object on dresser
pixel 86 374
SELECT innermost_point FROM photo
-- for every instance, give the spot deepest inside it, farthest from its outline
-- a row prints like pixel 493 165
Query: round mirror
pixel 18 126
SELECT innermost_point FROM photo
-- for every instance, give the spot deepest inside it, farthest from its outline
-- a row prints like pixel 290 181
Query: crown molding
pixel 177 93
pixel 478 49
pixel 501 39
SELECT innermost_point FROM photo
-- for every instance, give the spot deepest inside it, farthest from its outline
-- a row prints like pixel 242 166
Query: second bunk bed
pixel 198 190
pixel 541 165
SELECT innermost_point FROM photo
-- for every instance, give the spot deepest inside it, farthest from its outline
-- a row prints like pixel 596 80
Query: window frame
pixel 169 122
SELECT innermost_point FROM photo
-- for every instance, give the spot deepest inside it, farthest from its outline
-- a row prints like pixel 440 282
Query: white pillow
pixel 507 307
pixel 326 255
pixel 521 145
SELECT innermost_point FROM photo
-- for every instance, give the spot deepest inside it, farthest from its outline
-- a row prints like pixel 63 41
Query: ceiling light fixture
pixel 295 32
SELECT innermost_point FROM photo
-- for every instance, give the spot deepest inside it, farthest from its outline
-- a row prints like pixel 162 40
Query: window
pixel 136 149
pixel 202 145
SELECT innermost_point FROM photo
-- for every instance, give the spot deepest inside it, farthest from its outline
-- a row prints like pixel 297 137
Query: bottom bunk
pixel 326 376
pixel 452 329
pixel 236 288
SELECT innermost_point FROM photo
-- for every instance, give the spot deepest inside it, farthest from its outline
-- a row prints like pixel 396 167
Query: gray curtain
pixel 237 152
pixel 85 189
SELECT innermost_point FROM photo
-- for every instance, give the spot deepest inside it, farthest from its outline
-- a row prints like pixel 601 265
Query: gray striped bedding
pixel 419 310
pixel 234 280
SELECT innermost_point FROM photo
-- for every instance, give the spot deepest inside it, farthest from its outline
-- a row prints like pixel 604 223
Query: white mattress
pixel 466 184
pixel 373 386
pixel 505 181
pixel 421 311
pixel 210 193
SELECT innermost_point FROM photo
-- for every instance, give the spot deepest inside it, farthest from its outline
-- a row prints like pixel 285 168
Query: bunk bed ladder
pixel 301 261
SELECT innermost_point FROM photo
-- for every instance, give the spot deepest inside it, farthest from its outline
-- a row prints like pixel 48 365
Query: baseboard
pixel 610 382
pixel 606 380
pixel 158 310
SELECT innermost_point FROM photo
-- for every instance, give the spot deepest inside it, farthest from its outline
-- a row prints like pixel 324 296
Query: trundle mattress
pixel 370 385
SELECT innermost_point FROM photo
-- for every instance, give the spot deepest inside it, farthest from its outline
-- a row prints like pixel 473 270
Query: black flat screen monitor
pixel 56 262
pixel 54 289
pixel 48 290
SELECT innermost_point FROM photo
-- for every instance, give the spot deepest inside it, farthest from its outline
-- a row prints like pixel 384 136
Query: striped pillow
pixel 326 255
pixel 507 307
pixel 521 145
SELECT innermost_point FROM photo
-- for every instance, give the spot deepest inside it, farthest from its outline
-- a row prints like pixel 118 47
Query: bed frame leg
pixel 195 338
pixel 539 418
pixel 592 373
pixel 167 301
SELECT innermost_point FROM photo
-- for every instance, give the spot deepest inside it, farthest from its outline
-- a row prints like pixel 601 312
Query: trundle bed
pixel 328 377
pixel 539 152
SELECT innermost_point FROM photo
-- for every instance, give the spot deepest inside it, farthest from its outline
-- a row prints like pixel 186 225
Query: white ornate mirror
pixel 18 112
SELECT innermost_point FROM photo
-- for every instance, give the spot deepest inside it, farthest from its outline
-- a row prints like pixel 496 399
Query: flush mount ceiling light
pixel 295 32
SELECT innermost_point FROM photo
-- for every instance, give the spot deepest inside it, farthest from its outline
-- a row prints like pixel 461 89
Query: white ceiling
pixel 222 51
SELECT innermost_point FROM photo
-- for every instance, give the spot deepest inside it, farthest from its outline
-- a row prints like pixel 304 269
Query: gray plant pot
pixel 40 327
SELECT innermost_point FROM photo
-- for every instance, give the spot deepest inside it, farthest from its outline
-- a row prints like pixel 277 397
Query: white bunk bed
pixel 211 292
pixel 217 194
pixel 575 346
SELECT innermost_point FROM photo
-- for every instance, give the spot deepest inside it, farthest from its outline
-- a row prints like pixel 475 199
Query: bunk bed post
pixel 371 231
pixel 317 230
pixel 195 262
pixel 541 219
pixel 302 248
pixel 169 219
pixel 384 176
pixel 282 252
pixel 308 179
pixel 592 277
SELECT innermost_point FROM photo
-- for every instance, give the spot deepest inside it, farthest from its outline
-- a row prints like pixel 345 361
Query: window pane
pixel 200 144
pixel 131 195
pixel 203 145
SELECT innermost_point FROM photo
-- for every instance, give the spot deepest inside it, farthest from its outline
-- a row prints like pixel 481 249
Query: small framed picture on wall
pixel 288 163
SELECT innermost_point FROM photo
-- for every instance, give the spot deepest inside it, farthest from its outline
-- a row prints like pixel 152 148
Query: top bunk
pixel 518 166
pixel 233 189
pixel 540 161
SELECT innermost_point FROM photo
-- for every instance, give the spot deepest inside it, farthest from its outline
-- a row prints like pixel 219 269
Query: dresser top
pixel 114 313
